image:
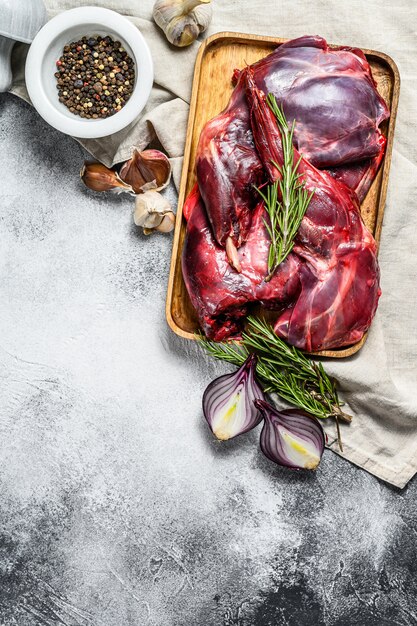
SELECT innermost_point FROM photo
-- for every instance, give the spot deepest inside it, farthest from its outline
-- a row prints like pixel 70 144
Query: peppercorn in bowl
pixel 89 72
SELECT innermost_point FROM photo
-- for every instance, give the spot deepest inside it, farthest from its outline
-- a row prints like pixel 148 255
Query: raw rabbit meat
pixel 326 291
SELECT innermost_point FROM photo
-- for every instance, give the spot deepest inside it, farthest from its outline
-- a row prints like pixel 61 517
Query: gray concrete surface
pixel 117 506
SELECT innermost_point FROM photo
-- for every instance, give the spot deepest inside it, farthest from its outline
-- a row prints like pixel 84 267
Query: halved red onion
pixel 292 438
pixel 229 402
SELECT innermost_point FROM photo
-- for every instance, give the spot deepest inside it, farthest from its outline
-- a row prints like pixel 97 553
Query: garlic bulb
pixel 182 20
pixel 153 212
pixel 98 177
pixel 146 170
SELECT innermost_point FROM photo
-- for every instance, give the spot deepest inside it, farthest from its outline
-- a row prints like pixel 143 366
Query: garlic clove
pixel 147 170
pixel 182 20
pixel 153 212
pixel 182 35
pixel 98 177
pixel 151 207
pixel 202 15
pixel 167 223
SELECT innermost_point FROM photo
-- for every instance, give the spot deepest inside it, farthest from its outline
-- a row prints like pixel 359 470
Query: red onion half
pixel 292 438
pixel 229 402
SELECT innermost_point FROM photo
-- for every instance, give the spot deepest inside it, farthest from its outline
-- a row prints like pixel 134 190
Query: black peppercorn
pixel 94 72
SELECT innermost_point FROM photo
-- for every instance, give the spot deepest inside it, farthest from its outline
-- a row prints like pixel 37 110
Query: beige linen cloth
pixel 379 383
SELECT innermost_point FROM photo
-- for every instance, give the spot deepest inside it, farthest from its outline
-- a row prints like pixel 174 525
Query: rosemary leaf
pixel 285 209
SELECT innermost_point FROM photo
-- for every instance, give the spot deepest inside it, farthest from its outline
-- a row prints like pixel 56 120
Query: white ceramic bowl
pixel 48 46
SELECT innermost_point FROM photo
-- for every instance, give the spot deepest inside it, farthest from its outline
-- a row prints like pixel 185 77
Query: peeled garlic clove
pixel 292 438
pixel 151 212
pixel 146 170
pixel 98 177
pixel 229 402
pixel 182 20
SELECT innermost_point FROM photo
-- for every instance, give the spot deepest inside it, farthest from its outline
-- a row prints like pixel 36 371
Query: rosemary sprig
pixel 286 200
pixel 305 374
pixel 282 369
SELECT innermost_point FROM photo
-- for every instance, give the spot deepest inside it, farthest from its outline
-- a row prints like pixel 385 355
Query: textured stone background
pixel 117 506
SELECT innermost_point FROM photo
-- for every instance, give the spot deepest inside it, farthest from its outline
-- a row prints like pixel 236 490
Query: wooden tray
pixel 216 60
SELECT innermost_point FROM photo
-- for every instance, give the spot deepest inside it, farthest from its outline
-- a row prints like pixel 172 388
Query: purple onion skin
pixel 306 428
pixel 225 418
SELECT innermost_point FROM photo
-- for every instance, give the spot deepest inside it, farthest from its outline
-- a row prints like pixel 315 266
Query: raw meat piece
pixel 359 176
pixel 332 96
pixel 340 274
pixel 218 293
pixel 227 168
